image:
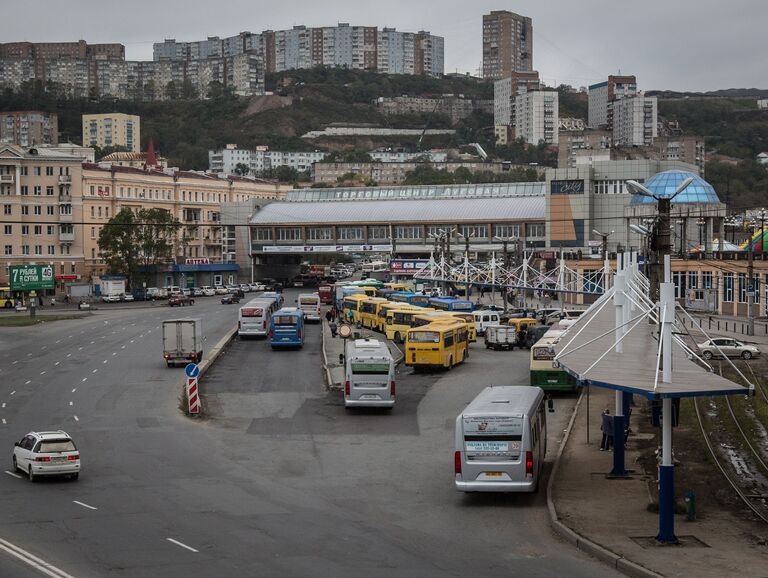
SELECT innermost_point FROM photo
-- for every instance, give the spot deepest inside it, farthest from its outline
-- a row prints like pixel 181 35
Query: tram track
pixel 757 503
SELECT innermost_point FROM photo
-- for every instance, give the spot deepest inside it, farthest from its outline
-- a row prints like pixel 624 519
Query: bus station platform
pixel 616 519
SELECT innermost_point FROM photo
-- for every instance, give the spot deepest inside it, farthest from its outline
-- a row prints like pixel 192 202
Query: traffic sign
pixel 192 370
pixel 193 397
pixel 345 330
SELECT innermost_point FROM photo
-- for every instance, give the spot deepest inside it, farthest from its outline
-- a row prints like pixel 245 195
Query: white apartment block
pixel 635 121
pixel 261 159
pixel 503 102
pixel 604 94
pixel 537 117
pixel 762 103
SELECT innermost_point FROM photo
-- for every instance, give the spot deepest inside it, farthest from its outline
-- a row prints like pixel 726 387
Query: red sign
pixel 200 261
pixel 65 276
pixel 102 193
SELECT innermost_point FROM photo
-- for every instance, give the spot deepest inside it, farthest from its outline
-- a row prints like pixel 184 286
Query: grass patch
pixel 26 320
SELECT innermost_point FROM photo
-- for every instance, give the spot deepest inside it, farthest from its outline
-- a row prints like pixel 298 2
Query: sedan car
pixel 245 287
pixel 220 290
pixel 256 286
pixel 111 298
pixel 728 347
pixel 46 453
pixel 126 297
pixel 208 291
pixel 230 299
pixel 180 301
pixel 232 288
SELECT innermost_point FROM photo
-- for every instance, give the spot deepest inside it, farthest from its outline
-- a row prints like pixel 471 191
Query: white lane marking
pixel 4 422
pixel 70 403
pixel 69 336
pixel 33 561
pixel 3 405
pixel 74 389
pixel 29 355
pixel 58 341
pixel 45 346
pixel 13 392
pixel 28 382
pixel 84 505
pixel 105 361
pixel 94 371
pixel 42 373
pixel 131 340
pixel 122 347
pixel 76 418
pixel 69 355
pixel 80 348
pixel 114 353
pixel 92 342
pixel 15 362
pixel 57 362
pixel 103 336
pixel 182 545
pixel 12 474
pixel 85 379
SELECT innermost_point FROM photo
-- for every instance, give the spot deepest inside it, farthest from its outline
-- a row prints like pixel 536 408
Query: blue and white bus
pixel 286 328
pixel 451 304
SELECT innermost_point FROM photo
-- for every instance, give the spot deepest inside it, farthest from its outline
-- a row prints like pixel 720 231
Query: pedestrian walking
pixel 334 313
pixel 328 316
pixel 482 291
pixel 606 427
pixel 334 328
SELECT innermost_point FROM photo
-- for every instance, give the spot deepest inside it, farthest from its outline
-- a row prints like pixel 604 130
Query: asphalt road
pixel 279 480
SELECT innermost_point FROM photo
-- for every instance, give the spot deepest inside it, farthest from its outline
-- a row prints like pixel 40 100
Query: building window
pixel 693 279
pixel 49 191
pixel 93 253
pixel 25 249
pixel 106 212
pixel 37 171
pixel 38 249
pixel 49 229
pixel 407 232
pixel 51 249
pixel 9 249
pixel 48 171
pixel 93 232
pixel 289 234
pixel 38 190
pixel 7 209
pixel 537 230
pixel 38 229
pixel 506 231
pixel 319 234
pixel 350 233
pixel 24 190
pixel 93 211
pixel 262 234
pixel 8 229
pixel 678 278
pixel 38 210
pixel 378 233
pixel 474 231
pixel 99 212
pixel 50 209
pixel 25 210
pixel 743 288
pixel 728 287
pixel 25 229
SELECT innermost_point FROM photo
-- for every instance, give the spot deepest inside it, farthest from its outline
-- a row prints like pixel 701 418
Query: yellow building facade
pixel 112 129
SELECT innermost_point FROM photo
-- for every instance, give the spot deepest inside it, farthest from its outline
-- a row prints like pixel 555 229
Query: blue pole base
pixel 618 471
pixel 666 533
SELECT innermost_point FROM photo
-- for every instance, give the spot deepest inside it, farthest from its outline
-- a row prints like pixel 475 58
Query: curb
pixel 328 378
pixel 206 364
pixel 583 543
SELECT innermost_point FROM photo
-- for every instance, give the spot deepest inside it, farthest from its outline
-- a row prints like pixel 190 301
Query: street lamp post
pixel 751 281
pixel 701 222
pixel 505 244
pixel 466 257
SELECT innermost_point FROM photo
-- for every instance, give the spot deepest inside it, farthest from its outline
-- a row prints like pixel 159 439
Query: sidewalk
pixel 614 514
pixel 333 347
pixel 727 326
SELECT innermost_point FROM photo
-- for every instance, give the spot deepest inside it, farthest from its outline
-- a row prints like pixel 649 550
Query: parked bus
pixel 501 441
pixel 375 266
pixel 7 300
pixel 545 371
pixel 384 309
pixel 451 304
pixel 287 328
pixel 368 311
pixel 369 374
pixel 399 321
pixel 342 290
pixel 401 296
pixel 352 303
pixel 439 344
pixel 326 294
pixel 401 287
pixel 309 303
pixel 254 317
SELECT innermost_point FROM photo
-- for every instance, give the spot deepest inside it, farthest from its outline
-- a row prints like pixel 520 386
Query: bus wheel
pixel 8 304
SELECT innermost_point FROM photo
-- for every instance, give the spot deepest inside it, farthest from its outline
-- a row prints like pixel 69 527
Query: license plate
pixel 487 446
pixel 58 459
pixel 369 396
pixel 493 474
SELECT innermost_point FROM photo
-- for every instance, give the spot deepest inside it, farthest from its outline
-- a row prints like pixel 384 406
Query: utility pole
pixel 751 282
pixel 504 286
pixel 762 233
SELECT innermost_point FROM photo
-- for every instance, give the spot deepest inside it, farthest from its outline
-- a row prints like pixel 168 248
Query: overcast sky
pixel 667 44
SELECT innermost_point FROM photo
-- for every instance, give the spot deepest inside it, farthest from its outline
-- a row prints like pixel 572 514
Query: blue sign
pixel 192 370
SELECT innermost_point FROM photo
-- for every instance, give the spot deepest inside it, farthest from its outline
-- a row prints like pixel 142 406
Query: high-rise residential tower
pixel 507 44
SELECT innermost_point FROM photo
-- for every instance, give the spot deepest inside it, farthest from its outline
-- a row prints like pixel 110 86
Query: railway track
pixel 757 503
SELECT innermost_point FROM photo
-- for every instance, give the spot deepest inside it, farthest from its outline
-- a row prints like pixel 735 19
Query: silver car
pixel 47 453
pixel 728 347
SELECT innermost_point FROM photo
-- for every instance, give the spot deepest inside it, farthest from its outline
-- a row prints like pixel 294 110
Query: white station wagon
pixel 46 453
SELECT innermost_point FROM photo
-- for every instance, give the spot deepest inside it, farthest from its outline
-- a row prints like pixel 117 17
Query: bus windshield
pixel 285 320
pixel 369 368
pixel 424 337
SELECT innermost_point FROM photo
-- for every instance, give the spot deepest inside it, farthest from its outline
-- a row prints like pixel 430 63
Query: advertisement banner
pixel 568 187
pixel 407 266
pixel 327 248
pixel 31 277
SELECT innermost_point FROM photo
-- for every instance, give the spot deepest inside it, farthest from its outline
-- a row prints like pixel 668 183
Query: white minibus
pixel 484 318
pixel 501 441
pixel 309 303
pixel 254 317
pixel 369 374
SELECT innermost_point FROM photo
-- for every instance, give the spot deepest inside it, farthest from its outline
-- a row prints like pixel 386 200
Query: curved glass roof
pixel 665 184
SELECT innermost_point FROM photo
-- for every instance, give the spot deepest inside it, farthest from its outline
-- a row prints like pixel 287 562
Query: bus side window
pixel 448 339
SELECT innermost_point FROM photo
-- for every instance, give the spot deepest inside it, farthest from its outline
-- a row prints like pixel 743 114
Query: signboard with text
pixel 31 277
pixel 407 266
pixel 327 248
pixel 567 187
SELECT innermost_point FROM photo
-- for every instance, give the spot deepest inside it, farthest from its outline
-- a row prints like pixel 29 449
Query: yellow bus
pixel 399 321
pixel 352 303
pixel 7 301
pixel 368 311
pixel 385 308
pixel 399 286
pixel 439 344
pixel 469 319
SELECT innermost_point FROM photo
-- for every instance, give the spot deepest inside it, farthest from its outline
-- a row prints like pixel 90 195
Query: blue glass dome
pixel 665 184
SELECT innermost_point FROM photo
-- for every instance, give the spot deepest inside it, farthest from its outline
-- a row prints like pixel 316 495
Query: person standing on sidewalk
pixel 606 427
pixel 328 316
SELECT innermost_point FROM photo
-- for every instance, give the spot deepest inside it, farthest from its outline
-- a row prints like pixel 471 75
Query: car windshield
pixel 55 446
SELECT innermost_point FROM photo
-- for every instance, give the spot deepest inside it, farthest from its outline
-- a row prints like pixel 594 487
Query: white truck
pixel 370 374
pixel 112 289
pixel 182 341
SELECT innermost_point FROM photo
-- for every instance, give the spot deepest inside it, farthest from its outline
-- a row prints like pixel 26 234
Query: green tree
pixel 242 169
pixel 131 243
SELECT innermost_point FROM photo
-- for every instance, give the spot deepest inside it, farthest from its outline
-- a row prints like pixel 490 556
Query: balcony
pixel 65 179
pixel 7 179
pixel 66 237
pixel 65 217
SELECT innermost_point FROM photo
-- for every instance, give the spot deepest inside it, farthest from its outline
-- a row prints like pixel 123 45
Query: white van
pixel 484 318
pixel 501 441
pixel 309 303
pixel 369 374
pixel 254 317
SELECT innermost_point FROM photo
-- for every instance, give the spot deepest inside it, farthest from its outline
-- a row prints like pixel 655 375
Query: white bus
pixel 309 303
pixel 369 374
pixel 254 317
pixel 375 266
pixel 501 441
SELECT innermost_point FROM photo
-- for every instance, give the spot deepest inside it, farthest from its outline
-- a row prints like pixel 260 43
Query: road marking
pixel 15 362
pixel 33 561
pixel 28 382
pixel 131 340
pixel 92 342
pixel 85 379
pixel 122 347
pixel 114 353
pixel 3 405
pixel 74 389
pixel 105 361
pixel 69 355
pixel 58 341
pixel 13 392
pixel 182 545
pixel 29 355
pixel 76 418
pixel 12 474
pixel 45 346
pixel 94 371
pixel 57 362
pixel 84 505
pixel 80 348
pixel 42 373
pixel 69 336
pixel 4 422
pixel 70 403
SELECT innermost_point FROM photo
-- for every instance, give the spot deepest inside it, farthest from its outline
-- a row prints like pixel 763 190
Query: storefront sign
pixel 327 248
pixel 31 277
pixel 407 266
pixel 569 187
pixel 200 261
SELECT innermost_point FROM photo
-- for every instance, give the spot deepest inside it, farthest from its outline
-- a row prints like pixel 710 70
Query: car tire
pixel 192 302
pixel 707 355
pixel 31 474
pixel 15 465
pixel 746 356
